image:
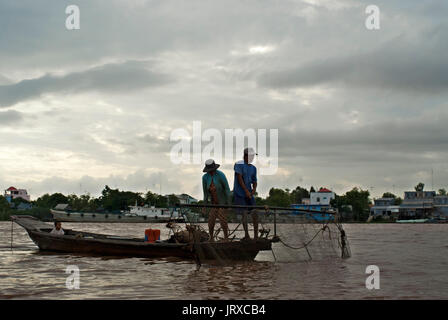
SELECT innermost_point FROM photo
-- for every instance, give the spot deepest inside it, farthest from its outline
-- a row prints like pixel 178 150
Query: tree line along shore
pixel 354 203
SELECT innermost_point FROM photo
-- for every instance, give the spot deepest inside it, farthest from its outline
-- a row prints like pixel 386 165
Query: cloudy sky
pixel 84 108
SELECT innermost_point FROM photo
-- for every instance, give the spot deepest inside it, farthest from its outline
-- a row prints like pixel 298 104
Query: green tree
pixel 150 198
pixel 4 204
pixel 50 201
pixel 389 195
pixel 83 203
pixel 157 200
pixel 172 200
pixel 114 200
pixel 278 198
pixel 397 200
pixel 358 199
pixel 4 209
pixel 298 194
pixel 442 192
pixel 259 200
pixel 419 186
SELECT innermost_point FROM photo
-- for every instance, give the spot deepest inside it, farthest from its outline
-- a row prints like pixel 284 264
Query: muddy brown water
pixel 413 263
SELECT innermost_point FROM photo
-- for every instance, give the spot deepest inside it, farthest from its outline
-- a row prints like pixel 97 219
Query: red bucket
pixel 152 235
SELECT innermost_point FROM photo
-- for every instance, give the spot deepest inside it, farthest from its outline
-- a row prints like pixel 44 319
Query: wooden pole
pixel 249 207
pixel 12 232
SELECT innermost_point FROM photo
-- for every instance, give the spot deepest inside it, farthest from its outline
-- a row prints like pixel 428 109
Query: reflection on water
pixel 412 260
pixel 248 280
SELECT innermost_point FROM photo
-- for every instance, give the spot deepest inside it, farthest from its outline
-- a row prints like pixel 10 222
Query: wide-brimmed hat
pixel 210 165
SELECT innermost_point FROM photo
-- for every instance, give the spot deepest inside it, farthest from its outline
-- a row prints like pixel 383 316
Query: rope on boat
pixel 197 250
pixel 231 233
pixel 273 254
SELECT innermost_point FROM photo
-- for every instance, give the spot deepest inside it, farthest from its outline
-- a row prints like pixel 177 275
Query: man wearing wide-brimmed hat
pixel 216 191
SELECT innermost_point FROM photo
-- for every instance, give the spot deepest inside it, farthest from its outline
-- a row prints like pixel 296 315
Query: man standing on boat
pixel 245 187
pixel 216 191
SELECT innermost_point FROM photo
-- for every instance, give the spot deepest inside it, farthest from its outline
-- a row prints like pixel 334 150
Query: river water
pixel 412 259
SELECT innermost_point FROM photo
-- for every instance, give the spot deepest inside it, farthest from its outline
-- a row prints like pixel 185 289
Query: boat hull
pixel 413 221
pixel 233 250
pixel 70 244
pixel 85 243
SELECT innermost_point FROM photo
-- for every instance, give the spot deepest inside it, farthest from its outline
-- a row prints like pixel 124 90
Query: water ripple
pixel 412 261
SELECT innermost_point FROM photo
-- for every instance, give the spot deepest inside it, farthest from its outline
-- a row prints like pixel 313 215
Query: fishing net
pixel 293 236
pixel 312 240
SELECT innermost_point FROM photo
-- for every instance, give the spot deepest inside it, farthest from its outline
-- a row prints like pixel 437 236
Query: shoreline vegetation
pixel 353 205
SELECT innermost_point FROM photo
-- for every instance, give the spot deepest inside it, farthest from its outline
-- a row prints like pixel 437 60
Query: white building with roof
pixel 384 207
pixel 322 197
pixel 14 193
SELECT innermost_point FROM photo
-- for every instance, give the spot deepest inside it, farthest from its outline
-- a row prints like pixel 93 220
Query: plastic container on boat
pixel 152 235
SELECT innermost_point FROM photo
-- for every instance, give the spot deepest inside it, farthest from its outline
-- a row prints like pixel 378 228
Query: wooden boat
pixel 413 221
pixel 110 218
pixel 79 242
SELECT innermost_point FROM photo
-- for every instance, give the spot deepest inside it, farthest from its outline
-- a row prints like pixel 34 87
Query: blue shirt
pixel 249 173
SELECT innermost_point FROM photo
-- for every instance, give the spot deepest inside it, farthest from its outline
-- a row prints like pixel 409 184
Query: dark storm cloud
pixel 372 114
pixel 394 141
pixel 10 117
pixel 398 65
pixel 109 78
pixel 4 80
pixel 119 29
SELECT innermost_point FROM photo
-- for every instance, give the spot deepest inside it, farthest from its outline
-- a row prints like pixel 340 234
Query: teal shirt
pixel 221 184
